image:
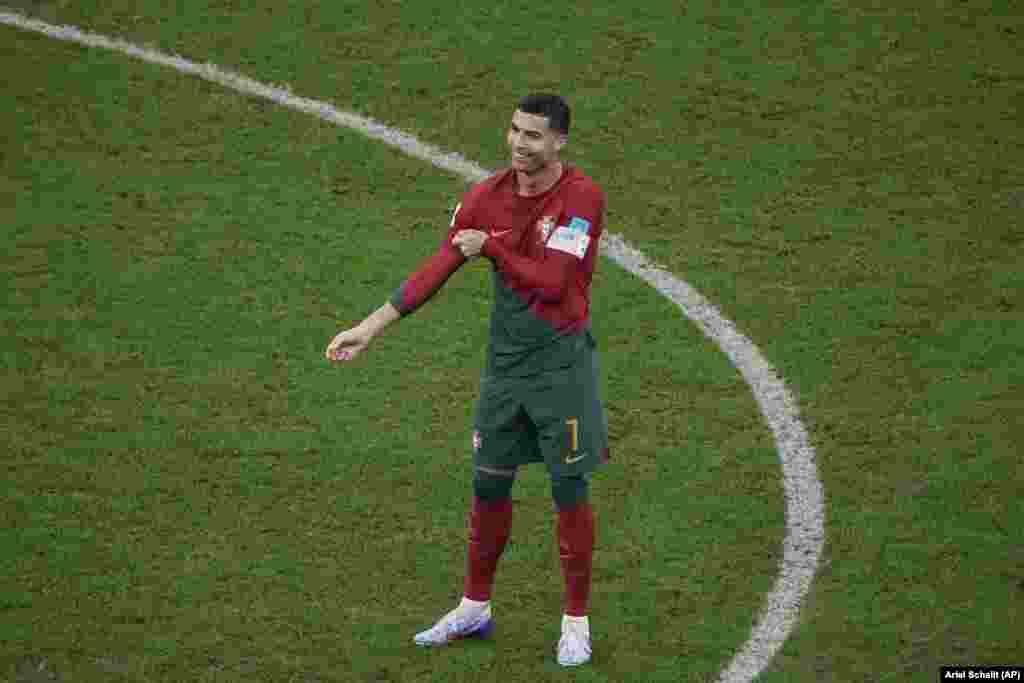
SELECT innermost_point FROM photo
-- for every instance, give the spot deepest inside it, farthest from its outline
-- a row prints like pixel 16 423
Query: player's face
pixel 532 143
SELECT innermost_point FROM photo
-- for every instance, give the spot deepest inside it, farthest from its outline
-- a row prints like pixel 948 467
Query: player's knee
pixel 569 491
pixel 490 485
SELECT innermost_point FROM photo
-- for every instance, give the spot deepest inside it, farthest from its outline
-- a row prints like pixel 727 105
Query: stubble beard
pixel 532 170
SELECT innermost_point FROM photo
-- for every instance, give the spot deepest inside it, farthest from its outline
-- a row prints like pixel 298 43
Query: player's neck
pixel 529 185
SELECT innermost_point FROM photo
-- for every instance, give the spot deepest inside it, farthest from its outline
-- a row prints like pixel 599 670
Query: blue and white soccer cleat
pixel 574 645
pixel 458 624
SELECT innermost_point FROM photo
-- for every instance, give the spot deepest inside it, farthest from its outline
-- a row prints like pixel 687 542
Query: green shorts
pixel 556 418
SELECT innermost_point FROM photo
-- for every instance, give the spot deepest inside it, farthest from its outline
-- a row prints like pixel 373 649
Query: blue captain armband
pixel 571 239
pixel 578 224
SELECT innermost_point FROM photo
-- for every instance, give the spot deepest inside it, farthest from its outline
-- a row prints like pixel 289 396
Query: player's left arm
pixel 577 233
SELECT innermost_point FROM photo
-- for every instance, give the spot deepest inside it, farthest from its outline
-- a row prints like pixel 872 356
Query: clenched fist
pixel 470 242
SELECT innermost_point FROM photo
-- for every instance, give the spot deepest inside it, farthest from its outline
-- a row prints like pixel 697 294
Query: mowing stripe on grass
pixel 804 496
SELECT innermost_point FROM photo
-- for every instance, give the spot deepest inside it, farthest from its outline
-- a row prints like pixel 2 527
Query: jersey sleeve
pixel 431 275
pixel 570 249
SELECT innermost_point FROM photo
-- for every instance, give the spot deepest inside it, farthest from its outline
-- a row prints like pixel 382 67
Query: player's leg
pixel 574 440
pixel 490 521
pixel 575 533
pixel 501 441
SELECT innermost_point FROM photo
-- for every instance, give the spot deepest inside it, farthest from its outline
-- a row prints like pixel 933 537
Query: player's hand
pixel 470 242
pixel 348 344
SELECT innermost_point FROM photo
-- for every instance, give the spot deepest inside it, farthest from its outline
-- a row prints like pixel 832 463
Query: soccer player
pixel 538 222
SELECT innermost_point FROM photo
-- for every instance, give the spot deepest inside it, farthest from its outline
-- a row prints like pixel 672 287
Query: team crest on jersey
pixel 544 226
pixel 477 441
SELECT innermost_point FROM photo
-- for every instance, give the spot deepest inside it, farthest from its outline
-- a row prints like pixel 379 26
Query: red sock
pixel 576 550
pixel 489 526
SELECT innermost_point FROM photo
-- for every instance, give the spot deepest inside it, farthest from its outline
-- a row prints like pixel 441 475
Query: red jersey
pixel 543 250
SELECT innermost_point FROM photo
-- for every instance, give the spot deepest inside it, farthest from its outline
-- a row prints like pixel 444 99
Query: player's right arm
pixel 426 280
pixel 414 291
pixel 349 343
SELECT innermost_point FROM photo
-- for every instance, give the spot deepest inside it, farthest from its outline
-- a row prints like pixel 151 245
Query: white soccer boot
pixel 574 645
pixel 469 620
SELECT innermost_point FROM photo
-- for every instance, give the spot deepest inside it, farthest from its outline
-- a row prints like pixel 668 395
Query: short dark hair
pixel 552 106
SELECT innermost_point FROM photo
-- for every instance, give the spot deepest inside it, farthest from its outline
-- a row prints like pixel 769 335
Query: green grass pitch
pixel 189 492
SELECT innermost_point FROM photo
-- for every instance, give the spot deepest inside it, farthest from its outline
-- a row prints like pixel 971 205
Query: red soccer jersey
pixel 543 249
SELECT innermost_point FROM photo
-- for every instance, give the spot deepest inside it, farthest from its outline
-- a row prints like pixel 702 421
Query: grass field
pixel 190 493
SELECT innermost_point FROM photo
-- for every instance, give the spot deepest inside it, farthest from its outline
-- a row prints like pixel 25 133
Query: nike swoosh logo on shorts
pixel 569 461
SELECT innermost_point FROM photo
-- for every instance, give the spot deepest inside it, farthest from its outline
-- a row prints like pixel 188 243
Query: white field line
pixel 804 495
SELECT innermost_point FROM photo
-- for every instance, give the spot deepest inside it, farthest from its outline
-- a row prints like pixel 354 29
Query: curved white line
pixel 805 512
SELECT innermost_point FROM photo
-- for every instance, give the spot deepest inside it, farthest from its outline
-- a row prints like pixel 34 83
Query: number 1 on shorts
pixel 573 424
